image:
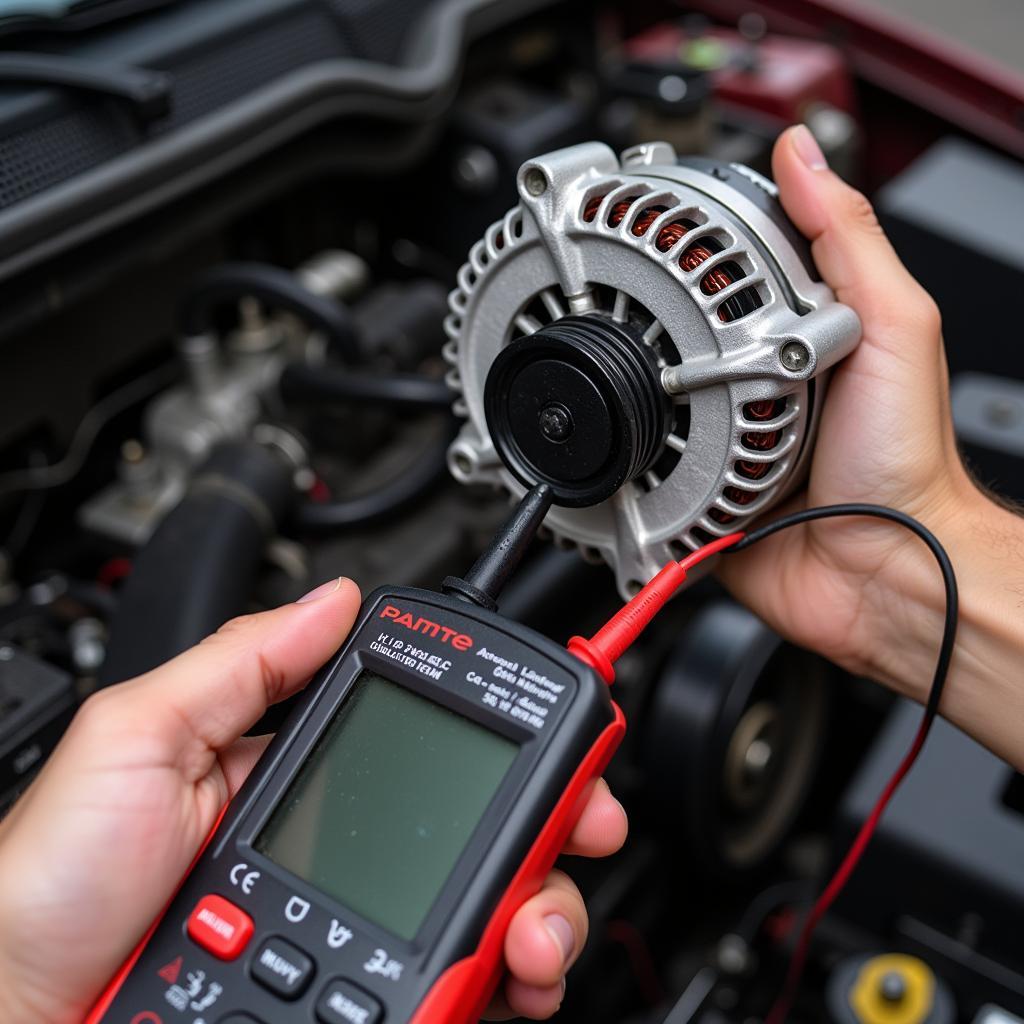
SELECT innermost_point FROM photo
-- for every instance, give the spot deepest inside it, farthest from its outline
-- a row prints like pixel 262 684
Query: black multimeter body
pixel 423 680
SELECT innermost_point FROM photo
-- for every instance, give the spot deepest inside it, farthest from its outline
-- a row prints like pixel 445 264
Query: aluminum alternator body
pixel 694 263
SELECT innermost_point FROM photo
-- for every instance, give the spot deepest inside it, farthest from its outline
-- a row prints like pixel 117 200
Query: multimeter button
pixel 283 968
pixel 220 927
pixel 344 1003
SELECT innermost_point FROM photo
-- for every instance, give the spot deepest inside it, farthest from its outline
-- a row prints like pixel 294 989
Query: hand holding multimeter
pixel 418 795
pixel 137 824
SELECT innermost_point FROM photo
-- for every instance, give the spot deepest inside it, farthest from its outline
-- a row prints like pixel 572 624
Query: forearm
pixel 25 988
pixel 984 693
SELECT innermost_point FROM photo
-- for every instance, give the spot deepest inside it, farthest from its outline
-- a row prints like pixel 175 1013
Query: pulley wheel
pixel 577 405
pixel 733 737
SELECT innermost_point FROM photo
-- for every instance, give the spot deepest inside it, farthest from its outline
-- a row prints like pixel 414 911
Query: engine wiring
pixel 388 499
pixel 57 474
pixel 602 650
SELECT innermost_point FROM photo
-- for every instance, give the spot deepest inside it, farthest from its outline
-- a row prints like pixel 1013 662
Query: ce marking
pixel 244 879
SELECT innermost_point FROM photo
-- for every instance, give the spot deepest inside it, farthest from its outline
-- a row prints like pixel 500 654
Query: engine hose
pixel 200 566
pixel 305 382
pixel 276 287
pixel 362 509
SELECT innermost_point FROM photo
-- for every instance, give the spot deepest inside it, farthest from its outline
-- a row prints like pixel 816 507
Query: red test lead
pixel 619 633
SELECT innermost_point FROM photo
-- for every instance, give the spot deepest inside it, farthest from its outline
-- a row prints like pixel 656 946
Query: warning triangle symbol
pixel 170 971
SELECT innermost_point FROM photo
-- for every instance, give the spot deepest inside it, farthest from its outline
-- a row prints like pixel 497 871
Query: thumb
pixel 220 688
pixel 850 248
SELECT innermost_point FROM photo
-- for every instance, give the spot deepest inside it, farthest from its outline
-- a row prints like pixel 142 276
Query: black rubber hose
pixel 387 500
pixel 303 382
pixel 147 92
pixel 200 566
pixel 275 287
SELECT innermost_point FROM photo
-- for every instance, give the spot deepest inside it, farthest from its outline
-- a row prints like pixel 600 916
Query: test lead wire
pixel 602 650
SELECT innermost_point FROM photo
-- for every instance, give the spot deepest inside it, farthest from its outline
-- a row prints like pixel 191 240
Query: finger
pixel 520 1000
pixel 850 248
pixel 498 1008
pixel 602 827
pixel 240 758
pixel 222 687
pixel 547 933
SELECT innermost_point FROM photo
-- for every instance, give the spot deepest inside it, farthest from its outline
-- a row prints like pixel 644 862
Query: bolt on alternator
pixel 795 356
pixel 556 423
pixel 535 182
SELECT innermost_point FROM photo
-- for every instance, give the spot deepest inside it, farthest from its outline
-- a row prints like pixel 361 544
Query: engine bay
pixel 309 288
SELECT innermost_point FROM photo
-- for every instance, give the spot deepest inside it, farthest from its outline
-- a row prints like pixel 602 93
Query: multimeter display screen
pixel 386 802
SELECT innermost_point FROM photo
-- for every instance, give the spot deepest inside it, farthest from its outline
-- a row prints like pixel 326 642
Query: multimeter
pixel 369 868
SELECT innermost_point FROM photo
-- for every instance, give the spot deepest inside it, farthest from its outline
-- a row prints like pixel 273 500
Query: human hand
pixel 864 593
pixel 90 854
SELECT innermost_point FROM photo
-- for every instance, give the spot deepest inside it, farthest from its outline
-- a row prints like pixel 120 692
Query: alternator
pixel 649 337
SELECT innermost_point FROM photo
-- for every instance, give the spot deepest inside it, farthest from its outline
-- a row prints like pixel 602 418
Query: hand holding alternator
pixel 856 590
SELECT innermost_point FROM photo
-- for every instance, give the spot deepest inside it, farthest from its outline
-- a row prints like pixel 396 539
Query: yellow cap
pixel 868 998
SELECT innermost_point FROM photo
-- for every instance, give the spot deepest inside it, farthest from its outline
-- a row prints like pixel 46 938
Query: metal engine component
pixel 222 399
pixel 685 283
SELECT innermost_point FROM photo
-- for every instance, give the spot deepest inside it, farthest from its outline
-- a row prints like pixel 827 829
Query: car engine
pixel 300 288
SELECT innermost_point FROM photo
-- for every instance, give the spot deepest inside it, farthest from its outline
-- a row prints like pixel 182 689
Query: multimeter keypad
pixel 279 966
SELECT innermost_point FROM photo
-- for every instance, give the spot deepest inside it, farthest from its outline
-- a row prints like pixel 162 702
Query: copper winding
pixel 756 440
pixel 668 236
pixel 694 256
pixel 752 470
pixel 765 409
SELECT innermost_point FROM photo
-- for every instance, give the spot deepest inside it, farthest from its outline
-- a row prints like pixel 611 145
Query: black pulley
pixel 577 405
pixel 733 737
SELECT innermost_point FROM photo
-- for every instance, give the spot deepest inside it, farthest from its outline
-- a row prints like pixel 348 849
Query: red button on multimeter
pixel 220 927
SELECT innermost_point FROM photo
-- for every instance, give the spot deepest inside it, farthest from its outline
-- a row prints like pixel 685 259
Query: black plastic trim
pixel 178 162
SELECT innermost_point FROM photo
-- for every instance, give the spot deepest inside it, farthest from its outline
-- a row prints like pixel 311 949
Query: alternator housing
pixel 700 268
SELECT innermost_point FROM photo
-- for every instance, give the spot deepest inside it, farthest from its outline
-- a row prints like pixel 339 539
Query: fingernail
pixel 561 931
pixel 330 587
pixel 807 148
